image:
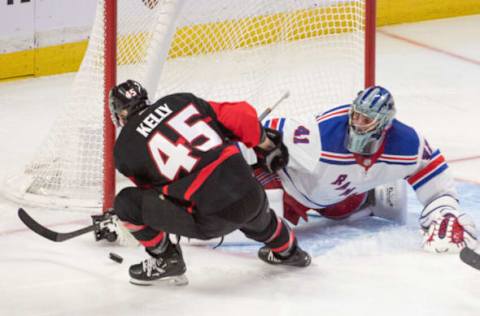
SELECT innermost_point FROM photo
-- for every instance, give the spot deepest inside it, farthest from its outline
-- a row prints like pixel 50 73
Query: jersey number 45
pixel 170 157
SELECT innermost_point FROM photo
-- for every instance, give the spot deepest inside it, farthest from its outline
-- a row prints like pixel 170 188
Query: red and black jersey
pixel 182 146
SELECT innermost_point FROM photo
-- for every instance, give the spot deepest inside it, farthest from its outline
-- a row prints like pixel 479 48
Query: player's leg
pixel 265 226
pixel 152 213
pixel 280 201
pixel 165 264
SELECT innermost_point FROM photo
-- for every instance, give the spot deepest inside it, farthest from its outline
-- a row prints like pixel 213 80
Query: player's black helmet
pixel 126 99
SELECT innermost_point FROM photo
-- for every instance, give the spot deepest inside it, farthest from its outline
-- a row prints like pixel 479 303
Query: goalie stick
pixel 271 108
pixel 98 227
pixel 470 257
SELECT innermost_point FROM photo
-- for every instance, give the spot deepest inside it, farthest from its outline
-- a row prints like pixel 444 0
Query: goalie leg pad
pixel 390 202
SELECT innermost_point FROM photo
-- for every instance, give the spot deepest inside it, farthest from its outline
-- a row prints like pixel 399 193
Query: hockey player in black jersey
pixel 191 179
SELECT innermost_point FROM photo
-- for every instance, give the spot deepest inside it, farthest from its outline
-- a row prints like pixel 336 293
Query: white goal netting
pixel 218 49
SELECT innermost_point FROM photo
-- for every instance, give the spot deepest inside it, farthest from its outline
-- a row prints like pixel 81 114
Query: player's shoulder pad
pixel 402 140
pixel 178 98
pixel 333 126
pixel 335 112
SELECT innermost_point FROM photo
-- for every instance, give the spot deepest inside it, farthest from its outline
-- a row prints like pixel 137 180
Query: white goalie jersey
pixel 322 172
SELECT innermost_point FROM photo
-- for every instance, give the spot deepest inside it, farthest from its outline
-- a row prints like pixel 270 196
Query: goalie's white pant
pixel 389 201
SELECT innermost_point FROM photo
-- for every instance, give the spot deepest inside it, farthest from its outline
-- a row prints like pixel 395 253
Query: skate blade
pixel 178 280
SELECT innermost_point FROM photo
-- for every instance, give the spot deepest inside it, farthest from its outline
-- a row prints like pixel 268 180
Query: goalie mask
pixel 370 116
pixel 126 99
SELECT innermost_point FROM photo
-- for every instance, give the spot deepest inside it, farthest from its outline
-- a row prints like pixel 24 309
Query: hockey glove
pixel 446 228
pixel 111 228
pixel 275 158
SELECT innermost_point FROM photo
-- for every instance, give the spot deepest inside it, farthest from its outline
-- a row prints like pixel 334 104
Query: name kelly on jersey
pixel 153 119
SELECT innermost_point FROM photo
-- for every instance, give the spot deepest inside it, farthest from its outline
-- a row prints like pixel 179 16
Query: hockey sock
pixel 277 235
pixel 283 239
pixel 160 247
pixel 147 236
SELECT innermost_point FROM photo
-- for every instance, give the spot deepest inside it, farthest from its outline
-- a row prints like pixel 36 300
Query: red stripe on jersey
pixel 324 154
pixel 153 242
pixel 207 171
pixel 430 167
pixel 274 123
pixel 398 158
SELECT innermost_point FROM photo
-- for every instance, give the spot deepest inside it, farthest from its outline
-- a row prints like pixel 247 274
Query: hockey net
pixel 218 49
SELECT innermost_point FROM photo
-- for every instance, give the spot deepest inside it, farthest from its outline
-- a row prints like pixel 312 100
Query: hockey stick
pixel 50 234
pixel 470 257
pixel 98 227
pixel 271 108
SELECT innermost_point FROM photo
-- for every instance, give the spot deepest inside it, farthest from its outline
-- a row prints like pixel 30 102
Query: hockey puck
pixel 116 257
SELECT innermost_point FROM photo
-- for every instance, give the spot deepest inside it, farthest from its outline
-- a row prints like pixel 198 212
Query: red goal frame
pixel 110 81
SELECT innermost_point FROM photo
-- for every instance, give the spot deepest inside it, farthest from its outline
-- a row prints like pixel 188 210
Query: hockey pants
pixel 151 215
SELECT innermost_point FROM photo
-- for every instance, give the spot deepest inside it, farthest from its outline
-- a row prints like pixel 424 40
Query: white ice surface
pixel 365 268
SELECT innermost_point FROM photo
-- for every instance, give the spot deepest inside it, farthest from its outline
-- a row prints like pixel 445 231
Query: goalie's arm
pixel 432 178
pixel 446 227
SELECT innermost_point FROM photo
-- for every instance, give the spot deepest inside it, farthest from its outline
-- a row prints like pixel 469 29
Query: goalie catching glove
pixel 445 227
pixel 272 154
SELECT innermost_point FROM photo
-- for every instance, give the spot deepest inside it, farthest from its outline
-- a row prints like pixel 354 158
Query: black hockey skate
pixel 297 258
pixel 167 267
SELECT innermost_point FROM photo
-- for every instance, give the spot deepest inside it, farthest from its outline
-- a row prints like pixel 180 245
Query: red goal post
pixel 110 61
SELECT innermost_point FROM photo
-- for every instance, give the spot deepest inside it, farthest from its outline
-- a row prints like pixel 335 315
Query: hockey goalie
pixel 356 160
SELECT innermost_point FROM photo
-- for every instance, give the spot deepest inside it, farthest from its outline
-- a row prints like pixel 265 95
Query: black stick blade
pixel 35 226
pixel 470 257
pixel 47 233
